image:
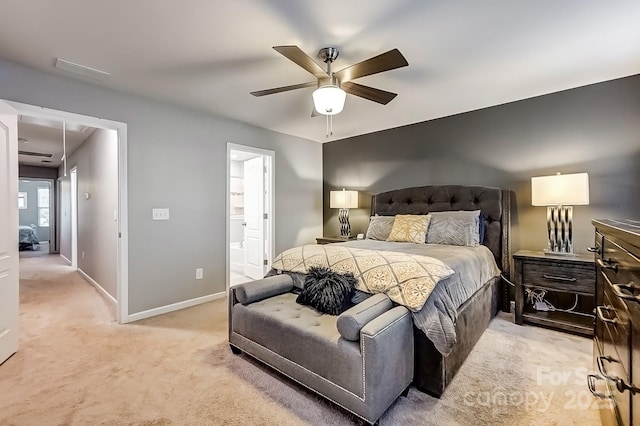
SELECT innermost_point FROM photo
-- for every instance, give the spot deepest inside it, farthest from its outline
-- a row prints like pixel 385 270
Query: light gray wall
pixel 96 161
pixel 177 160
pixel 594 129
pixel 29 216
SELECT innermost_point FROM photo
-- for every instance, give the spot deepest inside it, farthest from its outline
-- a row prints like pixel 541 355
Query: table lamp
pixel 559 193
pixel 343 200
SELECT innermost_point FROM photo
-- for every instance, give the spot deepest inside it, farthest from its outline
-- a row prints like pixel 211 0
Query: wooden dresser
pixel 616 347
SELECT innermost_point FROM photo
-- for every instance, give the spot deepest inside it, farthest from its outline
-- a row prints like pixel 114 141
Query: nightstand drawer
pixel 331 240
pixel 559 276
pixel 567 281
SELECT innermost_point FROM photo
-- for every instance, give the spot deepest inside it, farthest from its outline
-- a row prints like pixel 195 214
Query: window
pixel 43 207
pixel 22 200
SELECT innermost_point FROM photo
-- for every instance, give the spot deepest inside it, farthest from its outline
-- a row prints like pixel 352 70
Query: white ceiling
pixel 44 136
pixel 463 55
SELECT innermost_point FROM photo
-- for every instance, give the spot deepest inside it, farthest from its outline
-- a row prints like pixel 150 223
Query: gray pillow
pixel 380 227
pixel 351 321
pixel 456 228
pixel 263 289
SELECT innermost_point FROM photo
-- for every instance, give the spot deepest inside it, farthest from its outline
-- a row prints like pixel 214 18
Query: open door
pixel 254 170
pixel 8 231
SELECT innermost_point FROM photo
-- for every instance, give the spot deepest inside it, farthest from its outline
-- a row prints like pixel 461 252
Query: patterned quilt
pixel 407 279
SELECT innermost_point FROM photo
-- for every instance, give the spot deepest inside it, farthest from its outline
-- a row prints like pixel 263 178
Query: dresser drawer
pixel 559 276
pixel 622 269
pixel 610 371
pixel 617 329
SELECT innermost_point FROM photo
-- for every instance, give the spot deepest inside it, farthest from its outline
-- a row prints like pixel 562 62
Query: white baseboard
pixel 98 286
pixel 65 258
pixel 176 306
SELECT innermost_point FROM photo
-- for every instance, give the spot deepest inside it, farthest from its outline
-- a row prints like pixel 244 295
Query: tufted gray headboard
pixel 493 202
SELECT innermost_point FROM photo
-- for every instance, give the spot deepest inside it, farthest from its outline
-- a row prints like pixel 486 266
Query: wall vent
pixel 35 154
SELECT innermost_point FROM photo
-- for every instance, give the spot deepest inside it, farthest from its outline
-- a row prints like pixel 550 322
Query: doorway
pixel 36 217
pixel 250 220
pixel 120 213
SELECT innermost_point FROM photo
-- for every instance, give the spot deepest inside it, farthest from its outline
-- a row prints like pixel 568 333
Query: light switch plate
pixel 160 214
pixel 199 273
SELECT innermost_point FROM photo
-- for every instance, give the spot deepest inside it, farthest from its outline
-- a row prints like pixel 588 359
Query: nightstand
pixel 563 278
pixel 330 240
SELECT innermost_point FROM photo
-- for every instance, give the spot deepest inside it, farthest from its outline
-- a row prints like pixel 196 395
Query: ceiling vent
pixel 82 70
pixel 35 154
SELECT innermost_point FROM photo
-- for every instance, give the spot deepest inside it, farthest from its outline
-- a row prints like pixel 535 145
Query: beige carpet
pixel 76 366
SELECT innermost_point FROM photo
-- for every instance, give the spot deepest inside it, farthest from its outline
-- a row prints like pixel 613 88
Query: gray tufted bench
pixel 361 360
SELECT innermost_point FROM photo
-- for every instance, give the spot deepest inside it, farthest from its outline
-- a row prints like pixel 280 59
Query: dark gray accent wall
pixel 594 129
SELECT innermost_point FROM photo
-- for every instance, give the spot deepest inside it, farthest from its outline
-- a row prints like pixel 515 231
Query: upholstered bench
pixel 361 360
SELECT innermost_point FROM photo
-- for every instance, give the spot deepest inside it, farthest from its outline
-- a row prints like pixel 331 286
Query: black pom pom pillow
pixel 327 291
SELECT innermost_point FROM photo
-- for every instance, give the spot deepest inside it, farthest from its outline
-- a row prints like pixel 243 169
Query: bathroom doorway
pixel 250 218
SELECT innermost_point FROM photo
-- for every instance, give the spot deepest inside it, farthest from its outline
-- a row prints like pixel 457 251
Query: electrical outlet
pixel 199 273
pixel 82 254
pixel 160 214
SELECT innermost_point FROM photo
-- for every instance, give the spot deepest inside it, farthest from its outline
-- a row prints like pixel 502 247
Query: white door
pixel 8 231
pixel 254 217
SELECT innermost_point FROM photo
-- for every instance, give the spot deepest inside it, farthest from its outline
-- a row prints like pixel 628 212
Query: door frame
pixel 122 299
pixel 73 198
pixel 270 209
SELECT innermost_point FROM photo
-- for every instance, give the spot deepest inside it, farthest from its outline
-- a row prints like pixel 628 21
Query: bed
pixel 27 238
pixel 459 307
pixel 433 369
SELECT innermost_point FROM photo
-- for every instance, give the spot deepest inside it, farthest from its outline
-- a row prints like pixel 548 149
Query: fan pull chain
pixel 329 127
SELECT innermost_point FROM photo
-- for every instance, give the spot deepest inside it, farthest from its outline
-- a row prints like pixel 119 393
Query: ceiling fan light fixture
pixel 329 99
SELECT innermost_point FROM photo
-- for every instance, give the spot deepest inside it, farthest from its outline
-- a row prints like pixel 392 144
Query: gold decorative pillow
pixel 410 228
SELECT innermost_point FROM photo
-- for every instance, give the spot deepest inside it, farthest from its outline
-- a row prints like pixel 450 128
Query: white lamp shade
pixel 343 199
pixel 568 190
pixel 329 100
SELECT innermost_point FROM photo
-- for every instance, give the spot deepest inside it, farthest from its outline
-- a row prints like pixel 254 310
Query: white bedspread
pixel 473 267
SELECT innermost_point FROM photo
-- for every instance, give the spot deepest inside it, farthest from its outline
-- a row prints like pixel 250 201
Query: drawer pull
pixel 622 386
pixel 591 383
pixel 617 289
pixel 559 278
pixel 601 316
pixel 600 360
pixel 593 249
pixel 607 264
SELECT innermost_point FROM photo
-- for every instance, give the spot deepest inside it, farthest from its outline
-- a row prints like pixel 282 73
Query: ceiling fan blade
pixel 284 88
pixel 295 54
pixel 370 93
pixel 384 62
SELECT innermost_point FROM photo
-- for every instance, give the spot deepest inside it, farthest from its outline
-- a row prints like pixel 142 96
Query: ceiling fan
pixel 332 86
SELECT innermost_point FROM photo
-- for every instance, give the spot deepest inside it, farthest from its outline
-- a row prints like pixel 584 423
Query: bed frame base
pixel 433 372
